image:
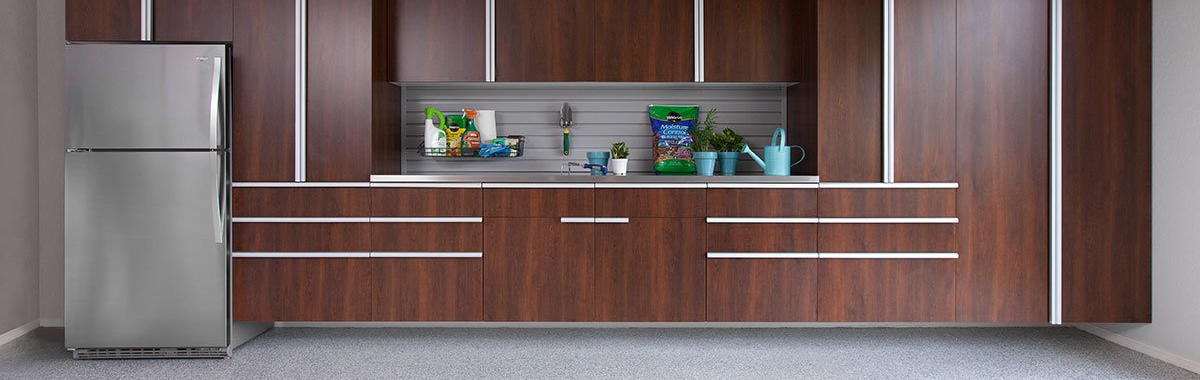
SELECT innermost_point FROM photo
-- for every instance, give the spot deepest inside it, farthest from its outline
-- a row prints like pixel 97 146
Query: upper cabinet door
pixel 193 20
pixel 759 40
pixel 338 139
pixel 925 124
pixel 545 40
pixel 264 85
pixel 645 41
pixel 850 90
pixel 104 20
pixel 436 41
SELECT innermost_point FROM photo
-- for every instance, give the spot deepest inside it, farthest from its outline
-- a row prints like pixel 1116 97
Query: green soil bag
pixel 672 143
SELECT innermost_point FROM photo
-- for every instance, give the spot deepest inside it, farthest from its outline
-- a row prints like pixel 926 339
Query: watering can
pixel 778 156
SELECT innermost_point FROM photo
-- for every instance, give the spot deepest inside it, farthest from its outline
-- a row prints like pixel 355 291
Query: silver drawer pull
pixel 612 220
pixel 762 255
pixel 426 255
pixel 577 220
pixel 765 220
pixel 894 255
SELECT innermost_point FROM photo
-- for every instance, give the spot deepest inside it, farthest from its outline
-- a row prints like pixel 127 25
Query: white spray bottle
pixel 435 135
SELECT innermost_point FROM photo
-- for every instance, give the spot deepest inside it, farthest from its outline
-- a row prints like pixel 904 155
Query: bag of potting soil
pixel 672 143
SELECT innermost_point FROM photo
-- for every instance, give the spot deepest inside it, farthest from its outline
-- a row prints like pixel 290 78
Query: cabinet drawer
pixel 301 202
pixel 886 290
pixel 301 237
pixel 410 202
pixel 306 289
pixel 888 203
pixel 751 238
pixel 650 203
pixel 762 290
pixel 763 203
pixel 427 289
pixel 427 237
pixel 538 203
pixel 912 237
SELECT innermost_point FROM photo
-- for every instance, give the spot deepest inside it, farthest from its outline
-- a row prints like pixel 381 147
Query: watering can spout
pixel 746 149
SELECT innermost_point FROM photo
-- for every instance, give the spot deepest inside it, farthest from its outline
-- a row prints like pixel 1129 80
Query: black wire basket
pixel 514 143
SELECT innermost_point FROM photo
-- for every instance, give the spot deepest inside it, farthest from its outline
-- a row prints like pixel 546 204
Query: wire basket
pixel 514 144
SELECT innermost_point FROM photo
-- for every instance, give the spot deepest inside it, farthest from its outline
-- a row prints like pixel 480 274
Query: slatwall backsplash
pixel 603 114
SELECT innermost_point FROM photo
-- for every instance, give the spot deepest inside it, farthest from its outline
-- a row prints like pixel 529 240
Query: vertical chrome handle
pixel 218 196
pixel 214 112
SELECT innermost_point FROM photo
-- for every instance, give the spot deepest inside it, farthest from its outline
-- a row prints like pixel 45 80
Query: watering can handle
pixel 779 138
pixel 802 155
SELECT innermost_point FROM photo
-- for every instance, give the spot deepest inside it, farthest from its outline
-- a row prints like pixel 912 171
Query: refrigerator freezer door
pixel 146 259
pixel 139 96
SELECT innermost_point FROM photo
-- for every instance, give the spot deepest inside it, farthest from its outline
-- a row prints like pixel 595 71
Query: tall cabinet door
pixel 421 48
pixel 628 29
pixel 338 127
pixel 264 97
pixel 759 40
pixel 545 40
pixel 193 20
pixel 849 90
pixel 538 269
pixel 925 127
pixel 651 270
pixel 104 20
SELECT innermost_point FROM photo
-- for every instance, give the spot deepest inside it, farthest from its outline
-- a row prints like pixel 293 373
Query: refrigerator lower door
pixel 146 257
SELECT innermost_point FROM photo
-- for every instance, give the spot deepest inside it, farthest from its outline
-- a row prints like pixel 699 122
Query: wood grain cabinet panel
pixel 762 290
pixel 925 127
pixel 650 203
pixel 193 20
pixel 629 29
pixel 650 270
pixel 307 289
pixel 759 40
pixel 263 98
pixel 850 90
pixel 751 238
pixel 427 289
pixel 301 202
pixel 545 40
pixel 538 203
pixel 934 238
pixel 538 269
pixel 886 290
pixel 436 41
pixel 301 237
pixel 763 203
pixel 888 203
pixel 426 237
pixel 104 20
pixel 426 202
pixel 339 91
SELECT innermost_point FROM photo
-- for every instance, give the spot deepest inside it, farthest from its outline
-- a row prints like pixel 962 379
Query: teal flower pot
pixel 706 163
pixel 598 158
pixel 729 162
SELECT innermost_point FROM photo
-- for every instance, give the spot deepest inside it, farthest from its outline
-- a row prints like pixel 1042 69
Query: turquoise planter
pixel 598 158
pixel 728 162
pixel 706 163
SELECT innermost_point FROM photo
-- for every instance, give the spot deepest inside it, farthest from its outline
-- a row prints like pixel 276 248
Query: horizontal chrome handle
pixel 426 255
pixel 612 220
pixel 301 220
pixel 301 255
pixel 888 220
pixel 762 255
pixel 429 220
pixel 765 220
pixel 577 220
pixel 896 255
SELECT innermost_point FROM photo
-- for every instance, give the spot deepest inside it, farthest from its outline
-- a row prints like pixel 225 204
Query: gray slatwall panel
pixel 603 115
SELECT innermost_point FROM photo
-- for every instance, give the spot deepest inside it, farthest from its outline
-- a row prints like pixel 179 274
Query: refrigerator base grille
pixel 151 353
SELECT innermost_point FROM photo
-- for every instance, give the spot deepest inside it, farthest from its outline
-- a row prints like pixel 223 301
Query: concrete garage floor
pixel 867 353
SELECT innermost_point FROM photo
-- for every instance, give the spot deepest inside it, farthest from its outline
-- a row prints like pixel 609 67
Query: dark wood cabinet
pixel 264 91
pixel 104 20
pixel 644 40
pixel 539 203
pixel 760 40
pixel 427 289
pixel 426 237
pixel 762 290
pixel 888 203
pixel 913 237
pixel 339 91
pixel 650 203
pixel 1003 112
pixel 762 203
pixel 886 290
pixel 762 237
pixel 301 289
pixel 925 79
pixel 302 237
pixel 545 40
pixel 294 202
pixel 425 202
pixel 538 269
pixel 436 41
pixel 650 270
pixel 850 90
pixel 193 20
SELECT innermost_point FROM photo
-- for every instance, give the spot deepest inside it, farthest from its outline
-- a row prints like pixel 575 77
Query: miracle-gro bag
pixel 672 143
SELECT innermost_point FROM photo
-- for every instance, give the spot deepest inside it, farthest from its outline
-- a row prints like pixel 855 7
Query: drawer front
pixel 762 290
pixel 301 202
pixel 301 237
pixel 427 237
pixel 307 289
pixel 650 203
pixel 887 238
pixel 763 203
pixel 415 202
pixel 427 289
pixel 752 238
pixel 538 203
pixel 888 203
pixel 886 290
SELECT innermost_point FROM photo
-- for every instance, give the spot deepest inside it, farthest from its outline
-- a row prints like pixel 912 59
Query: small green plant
pixel 729 141
pixel 619 150
pixel 704 137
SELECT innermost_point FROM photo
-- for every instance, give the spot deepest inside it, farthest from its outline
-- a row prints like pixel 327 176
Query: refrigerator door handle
pixel 214 117
pixel 218 198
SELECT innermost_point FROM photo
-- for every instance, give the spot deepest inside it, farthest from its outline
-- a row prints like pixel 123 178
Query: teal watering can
pixel 779 156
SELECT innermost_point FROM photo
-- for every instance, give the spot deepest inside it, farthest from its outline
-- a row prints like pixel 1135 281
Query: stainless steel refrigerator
pixel 147 190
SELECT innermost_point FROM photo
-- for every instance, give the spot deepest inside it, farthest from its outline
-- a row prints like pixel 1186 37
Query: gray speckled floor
pixel 914 353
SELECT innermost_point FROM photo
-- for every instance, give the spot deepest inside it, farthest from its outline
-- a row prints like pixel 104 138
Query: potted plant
pixel 619 163
pixel 703 148
pixel 729 148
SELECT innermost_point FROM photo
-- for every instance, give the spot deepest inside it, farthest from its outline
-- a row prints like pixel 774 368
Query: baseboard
pixel 52 322
pixel 618 325
pixel 19 332
pixel 1139 346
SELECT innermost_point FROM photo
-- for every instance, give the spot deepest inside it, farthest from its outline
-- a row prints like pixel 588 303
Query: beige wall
pixel 19 257
pixel 51 18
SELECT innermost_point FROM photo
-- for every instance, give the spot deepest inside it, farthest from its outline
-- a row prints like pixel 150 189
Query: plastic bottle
pixel 471 138
pixel 435 135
